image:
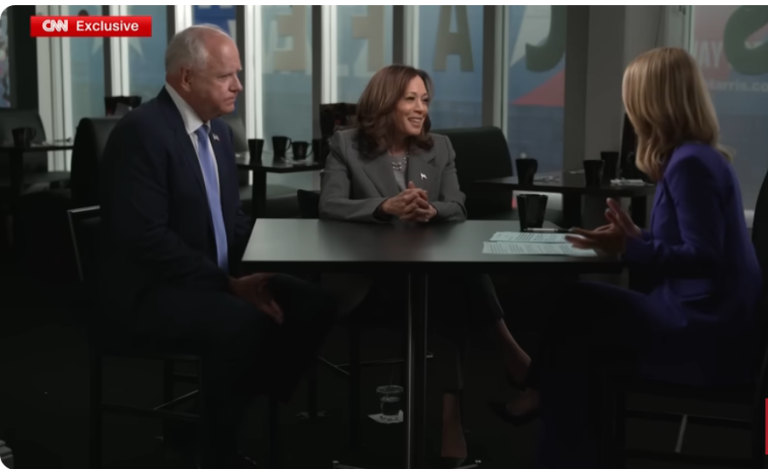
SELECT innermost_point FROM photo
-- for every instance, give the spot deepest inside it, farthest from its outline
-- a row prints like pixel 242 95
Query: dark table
pixel 573 187
pixel 296 245
pixel 17 176
pixel 268 164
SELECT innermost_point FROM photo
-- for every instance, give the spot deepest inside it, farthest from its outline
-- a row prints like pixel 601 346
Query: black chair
pixel 238 132
pixel 615 413
pixel 47 250
pixel 483 153
pixel 355 323
pixel 90 140
pixel 111 104
pixel 107 340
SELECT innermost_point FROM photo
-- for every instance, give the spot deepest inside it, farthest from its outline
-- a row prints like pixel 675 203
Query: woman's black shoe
pixel 500 409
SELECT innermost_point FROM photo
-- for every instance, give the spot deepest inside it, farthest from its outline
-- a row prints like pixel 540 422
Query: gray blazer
pixel 354 185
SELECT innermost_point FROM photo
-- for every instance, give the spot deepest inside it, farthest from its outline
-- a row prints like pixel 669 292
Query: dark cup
pixel 280 145
pixel 610 165
pixel 301 150
pixel 23 136
pixel 593 172
pixel 532 208
pixel 320 149
pixel 526 170
pixel 255 148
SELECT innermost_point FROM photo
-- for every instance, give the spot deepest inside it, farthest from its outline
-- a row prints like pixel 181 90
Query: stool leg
pixel 354 386
pixel 312 393
pixel 95 408
pixel 168 392
pixel 275 447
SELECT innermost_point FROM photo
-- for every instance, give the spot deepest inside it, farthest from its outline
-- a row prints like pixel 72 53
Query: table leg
pixel 259 195
pixel 17 185
pixel 571 210
pixel 416 393
pixel 639 210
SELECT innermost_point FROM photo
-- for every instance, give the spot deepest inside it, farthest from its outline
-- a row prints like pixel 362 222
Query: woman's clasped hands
pixel 412 204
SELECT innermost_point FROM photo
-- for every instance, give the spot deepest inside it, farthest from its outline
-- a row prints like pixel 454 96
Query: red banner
pixel 90 26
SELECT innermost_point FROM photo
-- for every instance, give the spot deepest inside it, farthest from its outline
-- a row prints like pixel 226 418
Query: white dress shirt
pixel 192 122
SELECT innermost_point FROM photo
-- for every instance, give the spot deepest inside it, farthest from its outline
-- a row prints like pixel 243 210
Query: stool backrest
pixel 84 229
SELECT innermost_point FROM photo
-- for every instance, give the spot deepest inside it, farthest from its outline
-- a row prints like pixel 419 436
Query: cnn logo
pixel 58 26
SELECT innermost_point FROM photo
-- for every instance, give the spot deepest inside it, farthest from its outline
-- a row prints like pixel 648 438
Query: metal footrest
pixel 178 400
pixel 681 458
pixel 321 414
pixel 159 412
pixel 151 413
pixel 473 465
pixel 692 419
pixel 342 367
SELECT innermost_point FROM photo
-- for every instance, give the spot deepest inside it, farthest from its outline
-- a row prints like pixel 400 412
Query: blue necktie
pixel 208 162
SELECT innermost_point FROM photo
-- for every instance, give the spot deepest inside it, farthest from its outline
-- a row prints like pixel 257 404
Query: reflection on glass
pixel 86 55
pixel 364 41
pixel 287 72
pixel 222 16
pixel 729 44
pixel 5 87
pixel 451 51
pixel 146 55
pixel 536 83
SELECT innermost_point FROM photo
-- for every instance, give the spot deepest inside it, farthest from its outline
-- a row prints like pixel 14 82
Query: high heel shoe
pixel 500 409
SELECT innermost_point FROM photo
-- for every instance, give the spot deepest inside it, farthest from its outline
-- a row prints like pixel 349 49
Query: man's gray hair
pixel 187 47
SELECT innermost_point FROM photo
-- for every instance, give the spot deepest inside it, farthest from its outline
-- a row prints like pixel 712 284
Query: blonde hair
pixel 668 103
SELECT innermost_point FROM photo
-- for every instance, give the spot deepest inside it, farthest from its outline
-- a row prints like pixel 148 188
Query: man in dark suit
pixel 173 233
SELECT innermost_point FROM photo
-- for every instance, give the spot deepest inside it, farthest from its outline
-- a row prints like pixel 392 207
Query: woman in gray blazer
pixel 390 169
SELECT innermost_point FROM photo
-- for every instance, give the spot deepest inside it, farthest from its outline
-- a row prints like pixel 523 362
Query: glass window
pixel 146 55
pixel 222 16
pixel 451 52
pixel 729 44
pixel 5 88
pixel 364 41
pixel 86 56
pixel 286 72
pixel 536 83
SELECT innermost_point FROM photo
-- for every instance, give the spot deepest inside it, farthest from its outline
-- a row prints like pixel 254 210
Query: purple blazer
pixel 709 281
pixel 696 326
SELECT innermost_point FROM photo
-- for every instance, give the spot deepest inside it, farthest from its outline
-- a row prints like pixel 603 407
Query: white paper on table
pixel 518 237
pixel 541 249
pixel 378 419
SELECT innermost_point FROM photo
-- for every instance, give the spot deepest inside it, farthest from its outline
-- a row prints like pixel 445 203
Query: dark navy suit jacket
pixel 156 229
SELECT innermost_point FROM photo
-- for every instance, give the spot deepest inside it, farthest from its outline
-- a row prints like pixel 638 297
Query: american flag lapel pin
pixel 423 176
pixel 215 137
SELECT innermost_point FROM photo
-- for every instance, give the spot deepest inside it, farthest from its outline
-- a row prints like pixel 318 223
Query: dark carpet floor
pixel 44 403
